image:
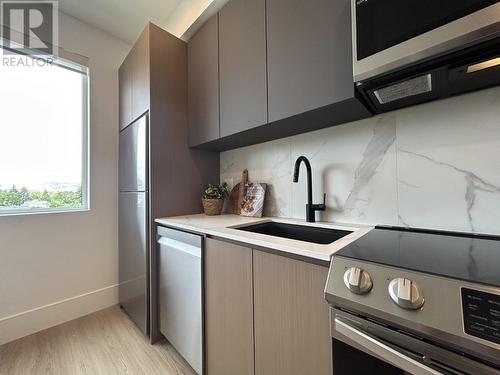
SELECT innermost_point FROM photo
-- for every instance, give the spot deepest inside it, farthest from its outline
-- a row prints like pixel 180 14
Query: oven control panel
pixel 481 311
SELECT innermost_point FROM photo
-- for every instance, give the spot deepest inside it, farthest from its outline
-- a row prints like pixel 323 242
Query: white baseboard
pixel 31 321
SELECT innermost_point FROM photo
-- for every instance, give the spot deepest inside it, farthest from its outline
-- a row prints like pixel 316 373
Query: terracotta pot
pixel 212 207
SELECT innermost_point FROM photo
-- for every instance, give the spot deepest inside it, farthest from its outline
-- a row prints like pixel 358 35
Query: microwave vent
pixel 401 90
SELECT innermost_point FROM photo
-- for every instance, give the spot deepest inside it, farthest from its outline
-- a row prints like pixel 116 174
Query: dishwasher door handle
pixel 180 246
pixel 382 350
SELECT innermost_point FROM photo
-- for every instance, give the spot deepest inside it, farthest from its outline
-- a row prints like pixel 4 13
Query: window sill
pixel 42 211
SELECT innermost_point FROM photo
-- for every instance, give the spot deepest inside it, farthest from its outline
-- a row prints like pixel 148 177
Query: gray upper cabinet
pixel 276 68
pixel 125 93
pixel 140 58
pixel 242 59
pixel 133 76
pixel 309 55
pixel 203 84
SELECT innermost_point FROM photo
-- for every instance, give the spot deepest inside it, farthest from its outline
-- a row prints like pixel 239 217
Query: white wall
pixel 56 267
pixel 435 165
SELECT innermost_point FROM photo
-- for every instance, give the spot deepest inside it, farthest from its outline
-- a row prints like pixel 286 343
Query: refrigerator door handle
pixel 133 163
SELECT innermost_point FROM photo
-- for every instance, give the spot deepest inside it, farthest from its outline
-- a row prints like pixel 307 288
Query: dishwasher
pixel 180 293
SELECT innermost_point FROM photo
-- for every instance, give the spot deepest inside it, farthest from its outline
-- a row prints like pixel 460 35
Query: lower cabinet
pixel 265 314
pixel 292 333
pixel 228 309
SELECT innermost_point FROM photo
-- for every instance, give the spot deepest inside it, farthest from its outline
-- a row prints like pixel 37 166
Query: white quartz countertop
pixel 223 227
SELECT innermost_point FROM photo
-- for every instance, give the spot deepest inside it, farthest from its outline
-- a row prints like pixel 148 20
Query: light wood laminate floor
pixel 106 343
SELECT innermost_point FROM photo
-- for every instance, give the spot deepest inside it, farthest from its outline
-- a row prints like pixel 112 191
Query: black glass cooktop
pixel 466 257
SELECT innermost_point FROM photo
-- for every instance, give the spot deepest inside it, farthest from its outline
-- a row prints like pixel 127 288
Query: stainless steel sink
pixel 318 235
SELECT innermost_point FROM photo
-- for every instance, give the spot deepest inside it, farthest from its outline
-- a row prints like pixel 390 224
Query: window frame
pixel 85 128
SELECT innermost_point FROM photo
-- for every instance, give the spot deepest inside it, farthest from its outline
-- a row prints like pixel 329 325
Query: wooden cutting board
pixel 237 193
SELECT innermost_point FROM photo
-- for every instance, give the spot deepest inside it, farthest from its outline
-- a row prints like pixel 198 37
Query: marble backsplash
pixel 435 165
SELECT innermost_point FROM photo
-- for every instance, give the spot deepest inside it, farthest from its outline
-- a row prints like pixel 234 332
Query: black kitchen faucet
pixel 310 207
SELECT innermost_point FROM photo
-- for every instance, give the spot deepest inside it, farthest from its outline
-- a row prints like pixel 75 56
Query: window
pixel 43 135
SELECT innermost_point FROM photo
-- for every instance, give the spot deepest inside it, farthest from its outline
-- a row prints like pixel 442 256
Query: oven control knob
pixel 357 280
pixel 406 294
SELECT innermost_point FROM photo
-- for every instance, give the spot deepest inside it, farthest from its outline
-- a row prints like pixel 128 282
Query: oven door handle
pixel 383 351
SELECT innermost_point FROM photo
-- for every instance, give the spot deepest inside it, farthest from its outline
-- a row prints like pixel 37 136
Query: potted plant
pixel 213 199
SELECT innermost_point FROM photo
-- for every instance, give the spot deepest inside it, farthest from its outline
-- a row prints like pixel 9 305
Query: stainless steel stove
pixel 415 301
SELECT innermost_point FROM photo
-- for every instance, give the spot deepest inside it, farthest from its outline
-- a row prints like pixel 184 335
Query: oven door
pixel 390 34
pixel 348 360
pixel 364 347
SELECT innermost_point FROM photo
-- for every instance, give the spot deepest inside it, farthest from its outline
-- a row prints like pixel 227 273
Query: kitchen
pixel 264 187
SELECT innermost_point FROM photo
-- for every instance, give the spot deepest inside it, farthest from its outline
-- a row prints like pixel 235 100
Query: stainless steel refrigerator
pixel 134 223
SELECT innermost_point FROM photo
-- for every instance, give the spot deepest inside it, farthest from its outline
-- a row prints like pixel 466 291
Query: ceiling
pixel 126 19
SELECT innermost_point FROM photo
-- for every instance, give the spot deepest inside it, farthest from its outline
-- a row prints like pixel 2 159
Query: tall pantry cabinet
pixel 153 80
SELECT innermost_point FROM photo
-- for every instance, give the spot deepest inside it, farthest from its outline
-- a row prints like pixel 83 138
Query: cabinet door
pixel 203 84
pixel 309 55
pixel 291 317
pixel 242 59
pixel 125 93
pixel 139 57
pixel 228 309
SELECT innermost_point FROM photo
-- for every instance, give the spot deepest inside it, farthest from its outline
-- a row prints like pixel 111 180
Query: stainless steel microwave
pixel 391 34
